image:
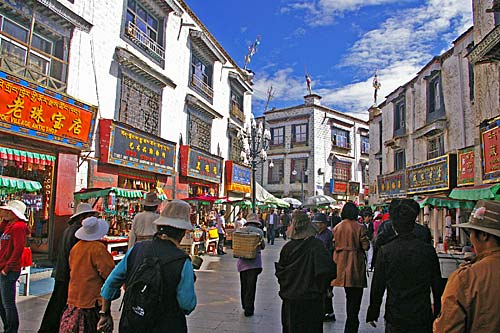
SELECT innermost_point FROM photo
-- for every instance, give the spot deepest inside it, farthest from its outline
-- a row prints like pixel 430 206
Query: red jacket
pixel 12 244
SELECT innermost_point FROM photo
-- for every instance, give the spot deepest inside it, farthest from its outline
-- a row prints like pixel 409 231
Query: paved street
pixel 219 306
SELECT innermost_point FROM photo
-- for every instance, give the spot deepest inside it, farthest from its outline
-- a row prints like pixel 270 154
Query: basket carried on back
pixel 245 244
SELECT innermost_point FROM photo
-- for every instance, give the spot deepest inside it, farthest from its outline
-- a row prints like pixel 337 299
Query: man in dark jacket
pixel 408 268
pixel 304 256
pixel 55 307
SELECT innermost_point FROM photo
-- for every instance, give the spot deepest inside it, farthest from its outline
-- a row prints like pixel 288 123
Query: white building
pixel 316 150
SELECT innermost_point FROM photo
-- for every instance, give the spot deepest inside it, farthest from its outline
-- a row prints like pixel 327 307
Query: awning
pixel 9 185
pixel 486 191
pixel 446 203
pixel 26 156
pixel 102 192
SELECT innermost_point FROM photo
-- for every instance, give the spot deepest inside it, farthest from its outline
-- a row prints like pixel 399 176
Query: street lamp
pixel 255 140
pixel 302 173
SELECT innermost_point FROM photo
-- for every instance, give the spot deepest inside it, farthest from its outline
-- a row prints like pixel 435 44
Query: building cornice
pixel 67 14
pixel 488 48
pixel 203 42
pixel 199 105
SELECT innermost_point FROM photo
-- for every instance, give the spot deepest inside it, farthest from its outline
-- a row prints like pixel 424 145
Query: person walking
pixel 368 222
pixel 272 224
pixel 178 298
pixel 408 268
pixel 472 295
pixel 57 302
pixel 240 221
pixel 285 222
pixel 350 244
pixel 12 241
pixel 142 224
pixel 250 269
pixel 90 264
pixel 325 235
pixel 221 229
pixel 303 256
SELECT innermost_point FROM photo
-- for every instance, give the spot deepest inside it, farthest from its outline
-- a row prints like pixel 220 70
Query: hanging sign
pixel 490 137
pixel 201 165
pixel 392 185
pixel 339 187
pixel 353 188
pixel 465 169
pixel 126 146
pixel 238 178
pixel 32 111
pixel 437 174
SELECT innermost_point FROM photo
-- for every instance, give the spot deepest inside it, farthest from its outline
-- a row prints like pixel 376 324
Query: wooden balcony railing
pixel 237 112
pixel 139 37
pixel 202 87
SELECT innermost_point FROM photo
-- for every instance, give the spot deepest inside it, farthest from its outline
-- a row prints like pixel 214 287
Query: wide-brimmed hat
pixel 484 217
pixel 176 214
pixel 319 218
pixel 301 226
pixel 151 199
pixel 92 229
pixel 17 207
pixel 83 208
pixel 252 218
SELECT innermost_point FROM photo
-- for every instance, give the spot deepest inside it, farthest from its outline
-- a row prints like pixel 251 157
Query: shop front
pixel 391 186
pixel 238 181
pixel 42 134
pixel 338 190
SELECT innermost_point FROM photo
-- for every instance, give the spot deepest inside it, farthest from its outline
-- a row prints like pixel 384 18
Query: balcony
pixel 202 87
pixel 143 40
pixel 341 145
pixel 237 112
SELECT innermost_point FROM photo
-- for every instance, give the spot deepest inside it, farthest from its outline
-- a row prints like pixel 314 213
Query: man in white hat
pixel 177 276
pixel 12 244
pixel 142 225
pixel 471 298
pixel 55 307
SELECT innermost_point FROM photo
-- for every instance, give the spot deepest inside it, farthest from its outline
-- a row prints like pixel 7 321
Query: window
pixel 200 131
pixel 140 106
pixel 143 28
pixel 434 98
pixel 43 63
pixel 278 136
pixel 435 147
pixel 365 175
pixel 340 138
pixel 300 166
pixel 399 160
pixel 399 114
pixel 342 171
pixel 236 107
pixel 365 145
pixel 276 173
pixel 299 134
pixel 201 76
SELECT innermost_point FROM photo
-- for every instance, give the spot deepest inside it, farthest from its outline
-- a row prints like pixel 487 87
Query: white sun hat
pixel 83 208
pixel 92 229
pixel 17 207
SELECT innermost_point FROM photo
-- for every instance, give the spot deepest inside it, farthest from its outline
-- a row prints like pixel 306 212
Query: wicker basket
pixel 245 244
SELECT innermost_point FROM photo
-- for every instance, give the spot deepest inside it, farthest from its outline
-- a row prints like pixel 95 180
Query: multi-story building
pixel 316 150
pixel 163 101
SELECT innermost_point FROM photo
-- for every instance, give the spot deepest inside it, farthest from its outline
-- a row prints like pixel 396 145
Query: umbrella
pixel 319 200
pixel 292 201
pixel 276 201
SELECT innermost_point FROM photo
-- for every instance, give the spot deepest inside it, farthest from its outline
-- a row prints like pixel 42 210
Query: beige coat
pixel 471 299
pixel 142 227
pixel 351 243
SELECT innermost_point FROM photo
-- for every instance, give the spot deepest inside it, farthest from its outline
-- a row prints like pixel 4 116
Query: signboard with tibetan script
pixel 129 147
pixel 201 165
pixel 339 187
pixel 392 185
pixel 32 111
pixel 437 174
pixel 465 169
pixel 238 178
pixel 490 137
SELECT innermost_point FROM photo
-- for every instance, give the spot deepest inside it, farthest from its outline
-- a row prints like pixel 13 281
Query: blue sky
pixel 340 43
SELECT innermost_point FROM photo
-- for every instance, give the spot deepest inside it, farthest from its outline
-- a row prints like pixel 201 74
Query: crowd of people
pixel 326 251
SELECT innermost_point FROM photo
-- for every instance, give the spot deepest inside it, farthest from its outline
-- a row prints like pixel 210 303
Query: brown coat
pixel 471 298
pixel 351 243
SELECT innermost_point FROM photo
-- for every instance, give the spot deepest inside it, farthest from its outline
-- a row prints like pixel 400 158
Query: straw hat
pixel 485 217
pixel 92 229
pixel 83 208
pixel 17 207
pixel 252 218
pixel 176 214
pixel 151 199
pixel 301 226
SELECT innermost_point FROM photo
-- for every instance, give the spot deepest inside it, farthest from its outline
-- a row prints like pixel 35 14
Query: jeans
pixel 353 300
pixel 8 309
pixel 270 234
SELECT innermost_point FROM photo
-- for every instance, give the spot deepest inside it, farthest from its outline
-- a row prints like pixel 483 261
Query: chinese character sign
pixel 200 165
pixel 33 111
pixel 491 151
pixel 465 169
pixel 392 185
pixel 433 175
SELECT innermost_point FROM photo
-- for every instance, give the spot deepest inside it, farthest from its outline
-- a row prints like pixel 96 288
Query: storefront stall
pixel 201 170
pixel 42 133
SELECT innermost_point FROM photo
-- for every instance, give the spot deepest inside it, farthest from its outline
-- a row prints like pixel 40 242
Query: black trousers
pixel 396 329
pixel 55 308
pixel 353 304
pixel 248 281
pixel 221 244
pixel 328 301
pixel 300 316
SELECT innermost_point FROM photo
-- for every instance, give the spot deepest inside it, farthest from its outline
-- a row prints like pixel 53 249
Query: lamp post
pixel 302 173
pixel 255 140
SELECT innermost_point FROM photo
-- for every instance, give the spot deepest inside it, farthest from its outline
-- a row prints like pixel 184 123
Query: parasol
pixel 292 201
pixel 319 200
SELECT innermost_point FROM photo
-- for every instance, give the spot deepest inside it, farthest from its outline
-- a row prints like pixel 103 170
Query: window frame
pixel 206 78
pixel 336 131
pixel 305 134
pixel 435 97
pixel 400 115
pixel 301 166
pixel 273 136
pixel 278 171
pixel 435 146
pixel 399 160
pixel 365 144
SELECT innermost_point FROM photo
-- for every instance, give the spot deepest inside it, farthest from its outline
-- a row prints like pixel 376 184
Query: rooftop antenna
pixel 270 96
pixel 376 86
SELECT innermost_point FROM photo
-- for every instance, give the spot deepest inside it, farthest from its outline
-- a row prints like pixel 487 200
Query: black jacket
pixel 304 270
pixel 408 268
pixel 68 240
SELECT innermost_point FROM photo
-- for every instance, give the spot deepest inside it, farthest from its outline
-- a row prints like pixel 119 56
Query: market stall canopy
pixel 102 192
pixel 292 201
pixel 26 156
pixel 446 203
pixel 479 192
pixel 261 194
pixel 9 185
pixel 319 200
pixel 204 198
pixel 277 202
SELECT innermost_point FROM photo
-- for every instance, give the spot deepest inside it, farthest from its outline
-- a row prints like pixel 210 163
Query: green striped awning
pixel 446 203
pixel 119 192
pixel 26 156
pixel 9 185
pixel 486 191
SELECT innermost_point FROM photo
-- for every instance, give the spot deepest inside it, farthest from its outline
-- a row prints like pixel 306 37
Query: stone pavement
pixel 219 308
